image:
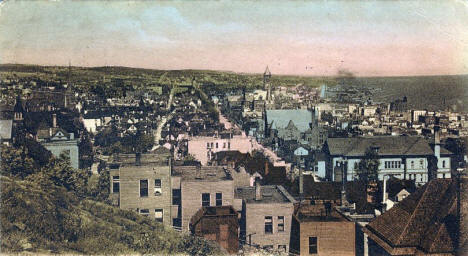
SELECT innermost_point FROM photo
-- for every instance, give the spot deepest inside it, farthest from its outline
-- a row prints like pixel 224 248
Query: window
pixel 443 164
pixel 216 144
pixel 229 145
pixel 219 199
pixel 143 188
pixel 224 144
pixel 412 164
pixel 207 145
pixel 211 144
pixel 115 184
pixel 421 163
pixel 158 215
pixel 177 223
pixel 176 197
pixel 157 187
pixel 144 212
pixel 268 225
pixel 205 199
pixel 280 223
pixel 313 245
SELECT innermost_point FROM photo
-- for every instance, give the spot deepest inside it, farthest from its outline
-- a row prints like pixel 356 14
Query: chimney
pixel 258 191
pixel 384 194
pixel 301 183
pixel 138 159
pixel 437 141
pixel 371 190
pixel 198 172
pixel 54 120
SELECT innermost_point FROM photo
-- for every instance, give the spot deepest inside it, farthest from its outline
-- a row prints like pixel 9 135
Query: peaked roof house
pixel 423 223
pixel 58 141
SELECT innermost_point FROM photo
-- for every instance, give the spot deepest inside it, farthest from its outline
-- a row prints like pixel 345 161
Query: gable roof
pixel 387 145
pixel 281 118
pixel 425 220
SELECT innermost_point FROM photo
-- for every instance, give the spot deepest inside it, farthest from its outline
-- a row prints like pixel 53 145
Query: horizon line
pixel 241 72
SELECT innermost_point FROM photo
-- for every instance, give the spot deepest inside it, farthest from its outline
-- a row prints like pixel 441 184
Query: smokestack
pixel 54 120
pixel 258 191
pixel 138 159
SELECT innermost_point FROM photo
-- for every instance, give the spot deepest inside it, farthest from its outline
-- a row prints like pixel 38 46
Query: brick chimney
pixel 258 191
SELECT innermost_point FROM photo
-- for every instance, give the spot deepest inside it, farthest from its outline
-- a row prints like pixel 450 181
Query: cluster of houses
pixel 276 170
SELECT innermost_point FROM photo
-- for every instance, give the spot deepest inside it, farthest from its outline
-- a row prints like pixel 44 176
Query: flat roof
pixel 201 173
pixel 270 194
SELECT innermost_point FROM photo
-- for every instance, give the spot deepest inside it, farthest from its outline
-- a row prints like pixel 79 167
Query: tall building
pixel 266 83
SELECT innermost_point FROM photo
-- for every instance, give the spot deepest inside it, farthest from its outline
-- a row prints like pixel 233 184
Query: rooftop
pixel 426 220
pixel 318 212
pixel 386 145
pixel 152 158
pixel 280 118
pixel 270 194
pixel 201 173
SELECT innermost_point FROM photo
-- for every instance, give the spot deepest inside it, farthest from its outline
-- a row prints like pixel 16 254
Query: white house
pixel 404 157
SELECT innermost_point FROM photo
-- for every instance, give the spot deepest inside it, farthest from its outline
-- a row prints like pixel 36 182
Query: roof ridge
pixel 411 146
pixel 400 237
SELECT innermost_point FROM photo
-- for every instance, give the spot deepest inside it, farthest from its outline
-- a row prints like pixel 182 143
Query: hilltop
pixel 49 219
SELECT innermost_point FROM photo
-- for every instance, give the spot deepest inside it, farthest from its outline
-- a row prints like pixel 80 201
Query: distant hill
pixel 42 218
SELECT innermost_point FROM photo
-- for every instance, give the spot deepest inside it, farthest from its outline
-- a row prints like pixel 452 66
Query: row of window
pixel 269 224
pixel 211 145
pixel 392 164
pixel 144 187
pixel 206 199
pixel 158 214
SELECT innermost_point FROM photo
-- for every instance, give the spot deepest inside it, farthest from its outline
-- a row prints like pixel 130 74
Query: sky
pixel 317 38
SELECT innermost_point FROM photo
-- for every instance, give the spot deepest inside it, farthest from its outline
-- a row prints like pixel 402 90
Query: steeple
pixel 266 77
pixel 266 83
pixel 18 109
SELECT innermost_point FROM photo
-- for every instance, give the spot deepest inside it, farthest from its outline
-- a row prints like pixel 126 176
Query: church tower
pixel 266 82
pixel 18 110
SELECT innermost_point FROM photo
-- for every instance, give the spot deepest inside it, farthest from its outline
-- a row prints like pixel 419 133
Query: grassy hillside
pixel 38 216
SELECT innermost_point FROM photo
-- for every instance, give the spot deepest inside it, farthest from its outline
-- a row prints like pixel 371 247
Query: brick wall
pixel 192 194
pixel 255 223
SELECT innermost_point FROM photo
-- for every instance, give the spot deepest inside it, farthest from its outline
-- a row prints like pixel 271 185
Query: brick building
pixel 320 230
pixel 219 224
pixel 142 183
pixel 199 186
pixel 266 216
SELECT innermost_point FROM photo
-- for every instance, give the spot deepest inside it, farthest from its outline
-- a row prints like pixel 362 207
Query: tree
pixel 62 174
pixel 368 168
pixel 16 162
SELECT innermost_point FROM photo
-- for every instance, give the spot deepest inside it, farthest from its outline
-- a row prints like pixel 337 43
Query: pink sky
pixel 307 38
